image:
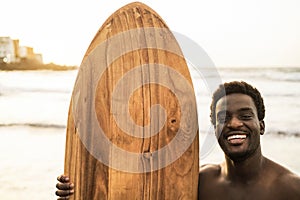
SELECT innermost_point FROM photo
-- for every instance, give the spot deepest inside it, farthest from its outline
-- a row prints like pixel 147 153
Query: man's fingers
pixel 63 178
pixel 64 194
pixel 63 198
pixel 65 186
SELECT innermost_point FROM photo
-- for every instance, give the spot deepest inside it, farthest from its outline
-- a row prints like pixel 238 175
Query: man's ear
pixel 215 130
pixel 262 127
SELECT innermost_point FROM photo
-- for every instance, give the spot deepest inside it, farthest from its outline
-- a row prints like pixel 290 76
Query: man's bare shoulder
pixel 289 183
pixel 285 182
pixel 293 179
pixel 210 170
pixel 209 177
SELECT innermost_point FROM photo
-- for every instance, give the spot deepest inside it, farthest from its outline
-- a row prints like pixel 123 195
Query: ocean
pixel 33 118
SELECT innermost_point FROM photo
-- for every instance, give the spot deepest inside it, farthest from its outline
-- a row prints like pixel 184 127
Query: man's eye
pixel 246 117
pixel 222 119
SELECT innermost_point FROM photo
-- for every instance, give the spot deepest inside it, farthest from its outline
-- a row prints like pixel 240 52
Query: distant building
pixel 12 52
pixel 26 52
pixel 7 50
pixel 16 47
pixel 39 57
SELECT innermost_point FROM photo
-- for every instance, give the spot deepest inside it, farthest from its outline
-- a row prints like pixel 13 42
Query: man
pixel 237 113
pixel 237 116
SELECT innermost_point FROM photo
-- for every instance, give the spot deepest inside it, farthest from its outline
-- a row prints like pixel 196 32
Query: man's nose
pixel 234 122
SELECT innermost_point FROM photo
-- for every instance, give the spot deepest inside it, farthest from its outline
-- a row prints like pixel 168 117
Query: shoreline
pixel 23 66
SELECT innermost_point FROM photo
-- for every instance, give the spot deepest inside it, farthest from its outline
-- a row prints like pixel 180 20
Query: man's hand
pixel 65 187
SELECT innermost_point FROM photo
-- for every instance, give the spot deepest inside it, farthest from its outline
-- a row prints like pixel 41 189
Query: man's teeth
pixel 236 137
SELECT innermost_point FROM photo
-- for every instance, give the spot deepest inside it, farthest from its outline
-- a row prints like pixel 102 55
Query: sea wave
pixel 284 133
pixel 281 95
pixel 34 125
pixel 270 132
pixel 288 74
pixel 62 126
pixel 33 90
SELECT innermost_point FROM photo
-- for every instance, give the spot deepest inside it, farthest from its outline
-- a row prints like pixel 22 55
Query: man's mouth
pixel 236 139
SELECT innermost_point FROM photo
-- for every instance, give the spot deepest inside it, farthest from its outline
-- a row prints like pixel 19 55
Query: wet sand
pixel 32 158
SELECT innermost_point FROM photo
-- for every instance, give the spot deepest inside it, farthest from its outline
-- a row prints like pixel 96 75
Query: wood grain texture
pixel 115 60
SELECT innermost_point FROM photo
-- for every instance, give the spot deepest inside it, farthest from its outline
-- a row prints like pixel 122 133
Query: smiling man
pixel 237 113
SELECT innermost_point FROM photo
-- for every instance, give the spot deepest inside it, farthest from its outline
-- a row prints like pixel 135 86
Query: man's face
pixel 237 126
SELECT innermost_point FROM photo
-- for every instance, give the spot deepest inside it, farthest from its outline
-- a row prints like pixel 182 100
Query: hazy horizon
pixel 233 33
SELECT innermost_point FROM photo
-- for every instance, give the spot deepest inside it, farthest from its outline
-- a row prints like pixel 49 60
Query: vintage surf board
pixel 132 129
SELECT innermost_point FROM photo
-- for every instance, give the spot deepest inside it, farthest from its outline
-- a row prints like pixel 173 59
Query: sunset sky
pixel 232 32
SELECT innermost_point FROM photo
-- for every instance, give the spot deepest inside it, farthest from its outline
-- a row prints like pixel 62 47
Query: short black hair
pixel 233 88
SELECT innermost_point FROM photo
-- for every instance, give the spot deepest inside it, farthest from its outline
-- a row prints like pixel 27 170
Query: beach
pixel 34 106
pixel 32 158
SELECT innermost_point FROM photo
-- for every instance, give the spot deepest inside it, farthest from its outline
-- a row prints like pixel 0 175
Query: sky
pixel 233 33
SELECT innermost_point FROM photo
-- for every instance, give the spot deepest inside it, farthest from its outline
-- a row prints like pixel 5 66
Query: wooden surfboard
pixel 132 129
